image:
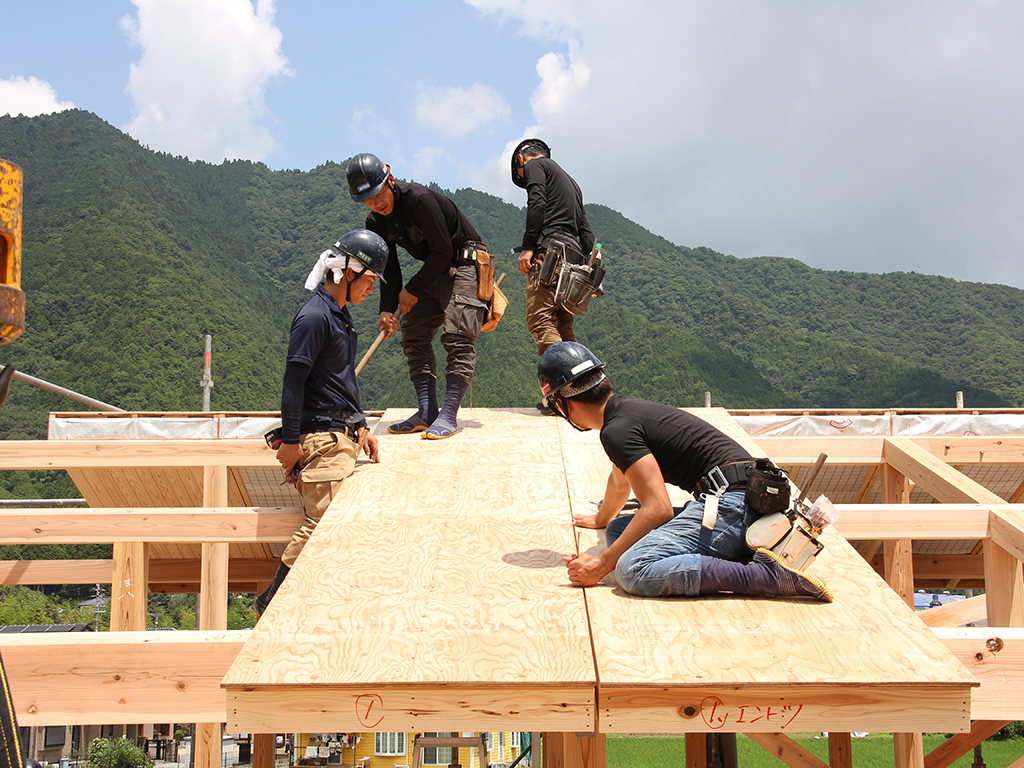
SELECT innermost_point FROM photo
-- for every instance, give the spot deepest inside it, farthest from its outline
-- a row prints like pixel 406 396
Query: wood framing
pixel 440 571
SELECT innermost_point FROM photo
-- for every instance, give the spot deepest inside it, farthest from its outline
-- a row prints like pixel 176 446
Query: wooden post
pixel 898 553
pixel 213 607
pixel 571 750
pixel 263 750
pixel 129 590
pixel 840 750
pixel 1004 588
pixel 696 750
pixel 908 749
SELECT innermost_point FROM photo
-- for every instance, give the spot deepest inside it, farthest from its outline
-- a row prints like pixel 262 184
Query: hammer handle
pixel 373 347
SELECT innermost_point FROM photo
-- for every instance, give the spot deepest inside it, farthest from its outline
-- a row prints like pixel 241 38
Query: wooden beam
pixel 176 525
pixel 960 744
pixel 933 475
pixel 868 449
pixel 751 707
pixel 38 572
pixel 786 750
pixel 240 569
pixel 95 678
pixel 944 567
pixel 912 521
pixel 975 450
pixel 521 707
pixel 70 454
pixel 995 656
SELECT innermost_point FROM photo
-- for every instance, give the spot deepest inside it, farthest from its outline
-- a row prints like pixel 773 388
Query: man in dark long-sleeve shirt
pixel 321 416
pixel 444 292
pixel 554 210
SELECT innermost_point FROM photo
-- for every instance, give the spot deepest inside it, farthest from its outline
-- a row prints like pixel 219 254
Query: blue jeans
pixel 667 560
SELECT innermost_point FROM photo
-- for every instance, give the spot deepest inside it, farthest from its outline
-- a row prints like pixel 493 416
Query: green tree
pixel 117 753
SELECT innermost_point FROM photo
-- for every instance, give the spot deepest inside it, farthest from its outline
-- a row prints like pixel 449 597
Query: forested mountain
pixel 131 256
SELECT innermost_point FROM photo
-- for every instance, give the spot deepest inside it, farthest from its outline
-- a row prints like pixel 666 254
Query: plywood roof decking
pixel 433 596
pixel 431 593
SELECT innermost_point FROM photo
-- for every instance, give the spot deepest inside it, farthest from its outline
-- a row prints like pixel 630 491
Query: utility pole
pixel 207 382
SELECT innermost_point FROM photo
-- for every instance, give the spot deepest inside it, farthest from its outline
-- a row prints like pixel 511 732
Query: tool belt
pixel 351 420
pixel 574 277
pixel 765 486
pixel 557 251
pixel 725 478
pixel 477 254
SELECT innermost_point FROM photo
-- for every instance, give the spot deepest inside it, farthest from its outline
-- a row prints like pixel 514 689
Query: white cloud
pixel 456 111
pixel 857 136
pixel 366 121
pixel 425 161
pixel 29 97
pixel 560 85
pixel 198 86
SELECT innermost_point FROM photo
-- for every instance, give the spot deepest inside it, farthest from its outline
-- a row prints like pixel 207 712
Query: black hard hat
pixel 563 363
pixel 367 176
pixel 366 247
pixel 518 180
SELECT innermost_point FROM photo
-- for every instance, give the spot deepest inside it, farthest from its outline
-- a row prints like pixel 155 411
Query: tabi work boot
pixel 260 603
pixel 765 576
pixel 426 394
pixel 445 424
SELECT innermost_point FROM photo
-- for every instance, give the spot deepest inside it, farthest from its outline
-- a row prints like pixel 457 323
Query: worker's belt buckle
pixel 716 482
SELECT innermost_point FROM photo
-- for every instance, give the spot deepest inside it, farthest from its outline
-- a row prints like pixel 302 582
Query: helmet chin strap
pixel 561 407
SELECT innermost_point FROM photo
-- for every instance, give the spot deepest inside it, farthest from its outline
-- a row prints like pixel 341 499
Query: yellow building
pixel 393 749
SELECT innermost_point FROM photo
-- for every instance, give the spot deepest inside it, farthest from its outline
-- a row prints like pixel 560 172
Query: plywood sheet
pixel 433 588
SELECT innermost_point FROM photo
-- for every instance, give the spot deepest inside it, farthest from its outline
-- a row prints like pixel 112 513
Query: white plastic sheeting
pixel 212 427
pixel 153 428
pixel 881 424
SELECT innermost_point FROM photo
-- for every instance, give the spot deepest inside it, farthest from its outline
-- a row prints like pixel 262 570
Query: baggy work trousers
pixel 452 302
pixel 547 322
pixel 327 459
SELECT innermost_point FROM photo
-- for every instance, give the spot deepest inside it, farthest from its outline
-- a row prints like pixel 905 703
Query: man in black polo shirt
pixel 554 211
pixel 444 292
pixel 698 549
pixel 322 424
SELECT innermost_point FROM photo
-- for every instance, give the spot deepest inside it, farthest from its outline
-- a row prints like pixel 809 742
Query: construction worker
pixel 555 223
pixel 444 292
pixel 661 550
pixel 322 424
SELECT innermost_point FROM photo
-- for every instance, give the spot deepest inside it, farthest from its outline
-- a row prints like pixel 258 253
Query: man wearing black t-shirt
pixel 698 549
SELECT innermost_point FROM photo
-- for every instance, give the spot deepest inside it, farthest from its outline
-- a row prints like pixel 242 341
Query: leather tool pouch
pixel 767 488
pixel 478 254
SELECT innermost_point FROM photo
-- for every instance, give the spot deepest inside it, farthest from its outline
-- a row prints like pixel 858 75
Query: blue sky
pixel 859 135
